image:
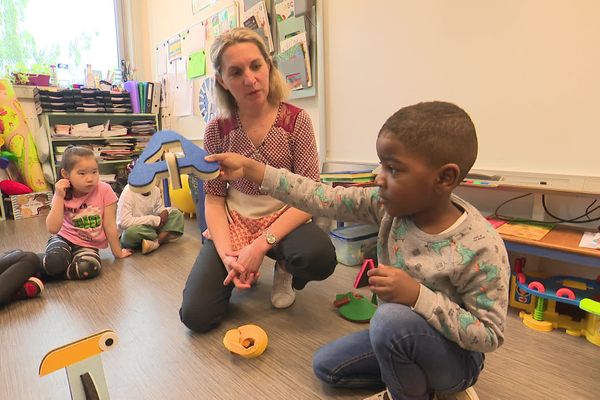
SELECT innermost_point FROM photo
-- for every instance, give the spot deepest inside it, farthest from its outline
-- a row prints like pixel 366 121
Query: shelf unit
pixel 48 120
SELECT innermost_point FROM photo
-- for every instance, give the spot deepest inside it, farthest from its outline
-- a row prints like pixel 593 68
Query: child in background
pixel 443 277
pixel 82 219
pixel 17 280
pixel 144 220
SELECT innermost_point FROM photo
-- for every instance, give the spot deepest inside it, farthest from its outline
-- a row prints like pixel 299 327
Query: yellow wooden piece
pixel 247 341
pixel 182 197
pixel 575 284
pixel 77 351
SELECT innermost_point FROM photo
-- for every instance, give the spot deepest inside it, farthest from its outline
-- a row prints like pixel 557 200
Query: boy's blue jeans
pixel 401 351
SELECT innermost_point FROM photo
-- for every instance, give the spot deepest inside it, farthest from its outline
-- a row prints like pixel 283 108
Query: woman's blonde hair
pixel 278 88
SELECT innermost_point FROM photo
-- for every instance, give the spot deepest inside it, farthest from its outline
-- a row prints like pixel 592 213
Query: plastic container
pixel 353 242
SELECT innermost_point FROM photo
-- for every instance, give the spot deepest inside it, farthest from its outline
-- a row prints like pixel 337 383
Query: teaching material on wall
pixel 174 48
pixel 222 21
pixel 207 100
pixel 199 5
pixel 256 18
pixel 196 64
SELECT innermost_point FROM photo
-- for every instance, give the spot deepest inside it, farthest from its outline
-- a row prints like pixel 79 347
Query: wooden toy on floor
pixel 354 307
pixel 362 279
pixel 248 341
pixel 157 162
pixel 565 302
pixel 81 359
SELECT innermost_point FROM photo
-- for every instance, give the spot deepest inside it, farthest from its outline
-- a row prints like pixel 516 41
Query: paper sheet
pixel 161 59
pixel 182 93
pixel 196 65
pixel 591 240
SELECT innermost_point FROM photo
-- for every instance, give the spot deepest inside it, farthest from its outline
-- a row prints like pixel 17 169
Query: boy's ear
pixel 448 176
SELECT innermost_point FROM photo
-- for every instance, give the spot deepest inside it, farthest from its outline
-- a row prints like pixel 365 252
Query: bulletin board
pixel 183 64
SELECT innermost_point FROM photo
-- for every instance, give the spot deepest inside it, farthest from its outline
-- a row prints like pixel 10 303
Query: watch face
pixel 270 238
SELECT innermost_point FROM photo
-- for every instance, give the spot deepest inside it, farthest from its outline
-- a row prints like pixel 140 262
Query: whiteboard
pixel 527 71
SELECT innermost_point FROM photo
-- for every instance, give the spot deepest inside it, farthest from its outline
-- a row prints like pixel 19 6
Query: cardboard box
pixel 27 205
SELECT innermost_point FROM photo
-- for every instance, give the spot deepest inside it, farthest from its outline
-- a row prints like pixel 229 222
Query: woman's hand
pixel 236 273
pixel 61 187
pixel 251 258
pixel 393 285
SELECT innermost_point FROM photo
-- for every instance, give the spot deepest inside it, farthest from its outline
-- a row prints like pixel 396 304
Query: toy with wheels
pixel 563 302
pixel 81 359
pixel 157 162
pixel 18 139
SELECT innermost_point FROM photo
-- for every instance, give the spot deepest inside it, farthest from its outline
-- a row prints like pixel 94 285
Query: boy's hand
pixel 61 187
pixel 164 216
pixel 235 166
pixel 393 285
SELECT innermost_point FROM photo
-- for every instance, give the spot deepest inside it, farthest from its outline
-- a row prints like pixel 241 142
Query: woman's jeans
pixel 401 351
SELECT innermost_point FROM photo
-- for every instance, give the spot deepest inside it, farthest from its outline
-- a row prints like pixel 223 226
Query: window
pixel 69 34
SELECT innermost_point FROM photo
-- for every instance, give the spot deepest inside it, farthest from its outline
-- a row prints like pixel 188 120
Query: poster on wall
pixel 199 5
pixel 222 21
pixel 161 59
pixel 175 48
pixel 207 100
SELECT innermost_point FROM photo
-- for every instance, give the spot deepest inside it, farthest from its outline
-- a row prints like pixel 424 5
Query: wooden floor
pixel 158 358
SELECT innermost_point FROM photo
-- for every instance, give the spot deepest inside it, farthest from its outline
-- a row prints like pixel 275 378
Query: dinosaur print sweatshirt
pixel 463 272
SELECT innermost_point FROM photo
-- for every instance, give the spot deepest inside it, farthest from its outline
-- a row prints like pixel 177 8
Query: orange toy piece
pixel 248 341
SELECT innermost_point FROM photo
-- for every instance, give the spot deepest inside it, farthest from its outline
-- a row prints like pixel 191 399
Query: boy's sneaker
pixel 33 287
pixel 149 246
pixel 385 395
pixel 173 237
pixel 467 394
pixel 282 292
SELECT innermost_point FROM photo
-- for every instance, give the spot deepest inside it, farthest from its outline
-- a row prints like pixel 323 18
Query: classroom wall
pixel 525 70
pixel 164 20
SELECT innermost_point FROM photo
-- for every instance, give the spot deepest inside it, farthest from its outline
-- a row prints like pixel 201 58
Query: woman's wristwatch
pixel 270 238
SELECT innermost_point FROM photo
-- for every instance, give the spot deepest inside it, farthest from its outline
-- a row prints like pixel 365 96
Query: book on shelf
pixel 348 176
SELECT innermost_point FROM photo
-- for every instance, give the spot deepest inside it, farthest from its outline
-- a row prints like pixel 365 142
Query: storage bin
pixel 353 242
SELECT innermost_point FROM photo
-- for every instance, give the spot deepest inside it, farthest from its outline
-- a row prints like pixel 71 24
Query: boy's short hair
pixel 438 131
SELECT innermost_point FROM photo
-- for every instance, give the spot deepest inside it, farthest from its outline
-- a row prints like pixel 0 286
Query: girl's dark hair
pixel 69 158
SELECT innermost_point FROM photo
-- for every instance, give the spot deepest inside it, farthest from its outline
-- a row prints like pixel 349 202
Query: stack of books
pixel 350 178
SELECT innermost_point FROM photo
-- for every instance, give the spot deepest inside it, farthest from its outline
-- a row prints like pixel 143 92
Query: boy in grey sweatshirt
pixel 443 275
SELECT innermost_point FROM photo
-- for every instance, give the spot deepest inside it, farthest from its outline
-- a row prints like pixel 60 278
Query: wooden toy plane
pixel 81 359
pixel 157 162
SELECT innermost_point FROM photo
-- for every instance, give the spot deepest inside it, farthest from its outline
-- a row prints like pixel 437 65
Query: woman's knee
pixel 198 319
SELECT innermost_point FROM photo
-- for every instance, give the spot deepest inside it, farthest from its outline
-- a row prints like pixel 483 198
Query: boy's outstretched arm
pixel 344 204
pixel 235 166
